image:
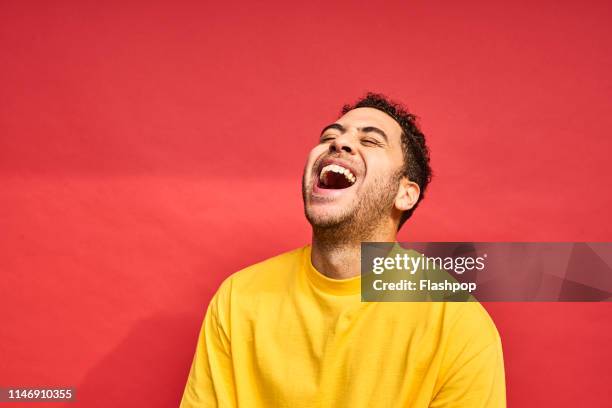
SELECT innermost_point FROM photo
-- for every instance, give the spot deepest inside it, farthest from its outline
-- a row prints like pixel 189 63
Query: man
pixel 292 332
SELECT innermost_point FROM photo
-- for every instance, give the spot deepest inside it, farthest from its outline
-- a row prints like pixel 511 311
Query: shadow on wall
pixel 148 368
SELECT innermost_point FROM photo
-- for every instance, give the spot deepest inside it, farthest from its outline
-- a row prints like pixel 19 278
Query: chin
pixel 318 217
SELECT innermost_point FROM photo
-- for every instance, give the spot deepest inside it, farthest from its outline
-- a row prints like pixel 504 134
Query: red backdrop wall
pixel 150 149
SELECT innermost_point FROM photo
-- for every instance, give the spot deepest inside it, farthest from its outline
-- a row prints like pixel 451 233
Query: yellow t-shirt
pixel 281 334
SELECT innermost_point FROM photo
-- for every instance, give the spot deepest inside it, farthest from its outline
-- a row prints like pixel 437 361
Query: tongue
pixel 334 181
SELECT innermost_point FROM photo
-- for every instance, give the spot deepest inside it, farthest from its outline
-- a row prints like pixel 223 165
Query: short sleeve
pixel 211 378
pixel 473 369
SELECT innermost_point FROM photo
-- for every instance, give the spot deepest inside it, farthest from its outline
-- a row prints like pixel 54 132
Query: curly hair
pixel 414 147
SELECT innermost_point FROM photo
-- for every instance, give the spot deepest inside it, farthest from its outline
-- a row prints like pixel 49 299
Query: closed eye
pixel 370 142
pixel 326 138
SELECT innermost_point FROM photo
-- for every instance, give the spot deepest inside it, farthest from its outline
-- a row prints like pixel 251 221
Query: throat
pixel 336 250
pixel 337 261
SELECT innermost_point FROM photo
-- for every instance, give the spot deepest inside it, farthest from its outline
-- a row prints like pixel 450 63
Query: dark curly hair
pixel 416 152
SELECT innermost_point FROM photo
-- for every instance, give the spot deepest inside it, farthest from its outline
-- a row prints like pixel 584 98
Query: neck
pixel 336 253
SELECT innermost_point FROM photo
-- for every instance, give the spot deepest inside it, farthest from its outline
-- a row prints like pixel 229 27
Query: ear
pixel 407 194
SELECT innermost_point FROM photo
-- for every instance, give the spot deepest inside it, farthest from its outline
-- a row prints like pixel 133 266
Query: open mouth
pixel 336 177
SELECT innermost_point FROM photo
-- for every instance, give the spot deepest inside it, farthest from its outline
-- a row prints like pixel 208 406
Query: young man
pixel 292 332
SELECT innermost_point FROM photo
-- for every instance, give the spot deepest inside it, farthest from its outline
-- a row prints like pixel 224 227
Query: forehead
pixel 364 117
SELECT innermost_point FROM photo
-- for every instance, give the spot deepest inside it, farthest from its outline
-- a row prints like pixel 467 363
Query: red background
pixel 150 149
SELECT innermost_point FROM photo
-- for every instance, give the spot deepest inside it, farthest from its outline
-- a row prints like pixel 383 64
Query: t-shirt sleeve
pixel 211 378
pixel 473 369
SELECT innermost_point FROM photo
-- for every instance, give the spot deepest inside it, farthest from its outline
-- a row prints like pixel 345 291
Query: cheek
pixel 397 160
pixel 377 163
pixel 314 154
pixel 380 170
pixel 387 162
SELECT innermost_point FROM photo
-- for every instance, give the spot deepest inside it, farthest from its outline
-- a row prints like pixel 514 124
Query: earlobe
pixel 407 195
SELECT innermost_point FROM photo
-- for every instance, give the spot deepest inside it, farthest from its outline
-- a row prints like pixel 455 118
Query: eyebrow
pixel 336 126
pixel 369 129
pixel 366 129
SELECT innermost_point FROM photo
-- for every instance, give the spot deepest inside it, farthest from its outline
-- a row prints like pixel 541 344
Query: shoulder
pixel 265 275
pixel 469 332
pixel 471 318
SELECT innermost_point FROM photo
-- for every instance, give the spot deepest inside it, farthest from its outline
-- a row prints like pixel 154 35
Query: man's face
pixel 352 175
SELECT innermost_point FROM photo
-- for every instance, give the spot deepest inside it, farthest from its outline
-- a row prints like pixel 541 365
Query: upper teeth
pixel 338 169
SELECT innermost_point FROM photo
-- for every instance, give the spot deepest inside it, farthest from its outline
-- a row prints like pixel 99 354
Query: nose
pixel 342 144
